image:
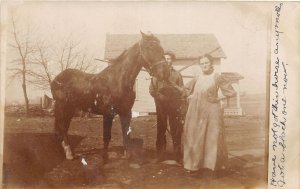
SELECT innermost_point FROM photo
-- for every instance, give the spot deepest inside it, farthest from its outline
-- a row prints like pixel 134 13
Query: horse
pixel 107 93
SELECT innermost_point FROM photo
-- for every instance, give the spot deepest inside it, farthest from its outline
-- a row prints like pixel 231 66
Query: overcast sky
pixel 240 28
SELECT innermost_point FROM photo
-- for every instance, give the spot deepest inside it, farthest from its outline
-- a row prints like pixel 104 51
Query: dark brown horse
pixel 108 93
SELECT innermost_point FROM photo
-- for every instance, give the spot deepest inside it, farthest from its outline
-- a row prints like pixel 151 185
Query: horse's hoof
pixel 105 160
pixel 70 157
pixel 126 155
pixel 68 151
pixel 105 156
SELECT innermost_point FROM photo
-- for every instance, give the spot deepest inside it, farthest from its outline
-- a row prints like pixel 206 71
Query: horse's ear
pixel 146 35
pixel 143 35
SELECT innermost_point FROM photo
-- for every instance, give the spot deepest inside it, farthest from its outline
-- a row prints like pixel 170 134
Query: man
pixel 168 103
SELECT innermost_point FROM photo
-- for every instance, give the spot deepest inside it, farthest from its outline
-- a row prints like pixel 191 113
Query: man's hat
pixel 171 54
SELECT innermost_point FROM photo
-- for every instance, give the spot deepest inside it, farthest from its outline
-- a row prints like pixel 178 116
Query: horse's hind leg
pixel 63 115
pixel 65 143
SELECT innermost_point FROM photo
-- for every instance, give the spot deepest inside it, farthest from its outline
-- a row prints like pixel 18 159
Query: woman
pixel 204 145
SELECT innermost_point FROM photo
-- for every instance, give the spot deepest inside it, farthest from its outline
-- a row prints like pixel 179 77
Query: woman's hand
pixel 189 98
pixel 221 98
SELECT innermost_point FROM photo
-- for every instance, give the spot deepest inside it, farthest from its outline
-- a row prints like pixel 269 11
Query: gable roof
pixel 232 76
pixel 185 46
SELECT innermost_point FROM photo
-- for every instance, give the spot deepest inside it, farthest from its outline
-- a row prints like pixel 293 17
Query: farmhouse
pixel 187 48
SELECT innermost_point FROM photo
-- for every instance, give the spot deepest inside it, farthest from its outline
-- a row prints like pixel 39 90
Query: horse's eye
pixel 153 45
pixel 150 46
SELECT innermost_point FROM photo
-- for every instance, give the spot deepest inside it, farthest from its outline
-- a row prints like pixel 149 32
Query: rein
pixel 149 65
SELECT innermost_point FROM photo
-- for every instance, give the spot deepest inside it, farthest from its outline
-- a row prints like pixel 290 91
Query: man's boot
pixel 177 153
pixel 161 153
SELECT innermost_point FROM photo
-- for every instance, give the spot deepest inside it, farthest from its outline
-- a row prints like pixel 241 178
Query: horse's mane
pixel 122 56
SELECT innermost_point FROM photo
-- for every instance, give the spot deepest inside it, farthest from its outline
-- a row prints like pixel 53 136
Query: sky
pixel 240 27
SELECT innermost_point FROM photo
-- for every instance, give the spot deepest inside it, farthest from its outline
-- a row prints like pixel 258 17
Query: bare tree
pixel 36 62
pixel 85 63
pixel 49 60
pixel 40 74
pixel 70 54
pixel 22 46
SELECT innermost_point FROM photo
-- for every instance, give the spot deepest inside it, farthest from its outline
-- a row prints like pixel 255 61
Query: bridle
pixel 146 63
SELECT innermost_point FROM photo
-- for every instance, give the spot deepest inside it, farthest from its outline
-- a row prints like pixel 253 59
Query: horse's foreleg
pixel 125 124
pixel 57 130
pixel 107 124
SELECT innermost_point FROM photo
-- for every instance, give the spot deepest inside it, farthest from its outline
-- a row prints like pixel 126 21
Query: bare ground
pixel 34 159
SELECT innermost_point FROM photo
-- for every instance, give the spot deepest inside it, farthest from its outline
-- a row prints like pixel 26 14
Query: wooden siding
pixel 144 102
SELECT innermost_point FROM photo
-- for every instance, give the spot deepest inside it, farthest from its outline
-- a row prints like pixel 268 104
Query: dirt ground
pixel 34 159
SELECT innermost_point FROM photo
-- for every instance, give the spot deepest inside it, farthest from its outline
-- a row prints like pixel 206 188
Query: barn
pixel 187 48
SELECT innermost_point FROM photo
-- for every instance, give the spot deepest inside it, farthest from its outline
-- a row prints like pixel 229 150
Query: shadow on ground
pixel 37 161
pixel 29 156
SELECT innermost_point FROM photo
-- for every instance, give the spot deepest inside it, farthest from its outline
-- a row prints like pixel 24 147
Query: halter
pixel 149 66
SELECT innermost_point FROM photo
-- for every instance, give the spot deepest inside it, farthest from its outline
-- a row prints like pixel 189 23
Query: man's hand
pixel 177 87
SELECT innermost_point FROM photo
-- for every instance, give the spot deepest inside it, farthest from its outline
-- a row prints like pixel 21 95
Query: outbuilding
pixel 187 48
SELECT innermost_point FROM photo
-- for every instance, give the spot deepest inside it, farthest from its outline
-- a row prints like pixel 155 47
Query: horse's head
pixel 151 53
pixel 161 70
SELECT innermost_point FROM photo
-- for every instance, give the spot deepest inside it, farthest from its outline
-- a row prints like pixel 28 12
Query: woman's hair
pixel 209 57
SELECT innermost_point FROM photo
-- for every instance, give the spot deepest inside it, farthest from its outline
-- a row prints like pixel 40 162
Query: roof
pixel 185 46
pixel 232 76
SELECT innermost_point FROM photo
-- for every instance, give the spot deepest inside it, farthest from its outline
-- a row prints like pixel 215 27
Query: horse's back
pixel 69 74
pixel 70 79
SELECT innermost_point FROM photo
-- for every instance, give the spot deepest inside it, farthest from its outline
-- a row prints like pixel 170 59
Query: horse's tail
pixel 58 82
pixel 55 84
pixel 57 90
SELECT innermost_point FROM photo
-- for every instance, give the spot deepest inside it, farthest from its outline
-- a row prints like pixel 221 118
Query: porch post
pixel 228 101
pixel 238 103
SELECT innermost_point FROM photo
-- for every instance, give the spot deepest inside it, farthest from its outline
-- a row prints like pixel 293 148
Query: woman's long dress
pixel 203 140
